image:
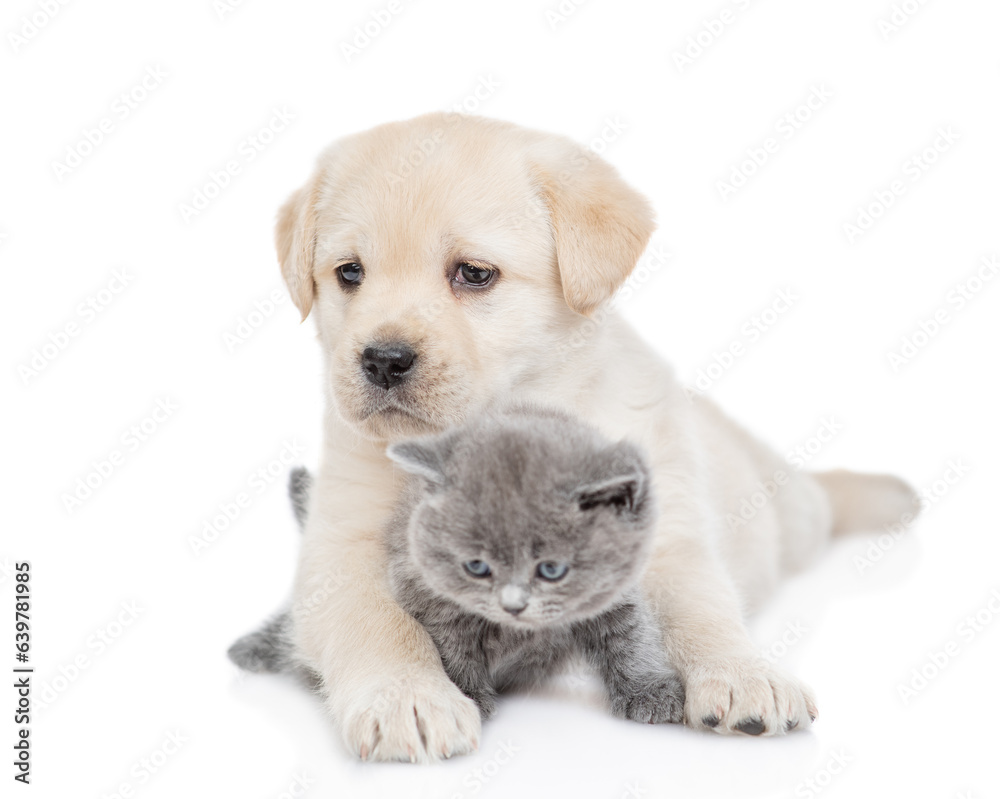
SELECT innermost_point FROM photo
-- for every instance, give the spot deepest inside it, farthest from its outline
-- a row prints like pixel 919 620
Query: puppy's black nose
pixel 387 365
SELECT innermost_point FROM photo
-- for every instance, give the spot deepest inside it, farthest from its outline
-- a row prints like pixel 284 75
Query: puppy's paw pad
pixel 747 696
pixel 751 726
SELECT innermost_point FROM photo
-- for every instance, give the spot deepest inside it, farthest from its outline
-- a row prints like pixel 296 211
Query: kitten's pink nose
pixel 513 599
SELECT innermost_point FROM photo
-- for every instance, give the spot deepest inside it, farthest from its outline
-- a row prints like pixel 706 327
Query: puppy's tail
pixel 299 486
pixel 866 501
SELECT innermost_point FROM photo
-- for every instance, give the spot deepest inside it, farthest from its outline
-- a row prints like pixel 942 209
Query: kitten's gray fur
pixel 270 648
pixel 514 489
pixel 267 649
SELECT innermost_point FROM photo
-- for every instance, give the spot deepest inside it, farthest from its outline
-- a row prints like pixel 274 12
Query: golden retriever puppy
pixel 451 262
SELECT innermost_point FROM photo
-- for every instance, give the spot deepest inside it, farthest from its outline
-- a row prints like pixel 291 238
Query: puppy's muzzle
pixel 387 365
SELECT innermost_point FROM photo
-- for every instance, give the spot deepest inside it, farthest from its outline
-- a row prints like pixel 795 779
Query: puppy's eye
pixel 350 274
pixel 474 275
pixel 477 568
pixel 552 571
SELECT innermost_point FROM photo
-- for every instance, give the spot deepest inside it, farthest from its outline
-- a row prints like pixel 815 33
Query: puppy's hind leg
pixel 805 519
pixel 815 506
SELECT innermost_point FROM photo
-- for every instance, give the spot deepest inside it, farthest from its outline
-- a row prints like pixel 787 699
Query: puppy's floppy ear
pixel 601 224
pixel 295 239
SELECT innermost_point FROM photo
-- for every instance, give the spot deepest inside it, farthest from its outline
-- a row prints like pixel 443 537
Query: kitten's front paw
pixel 486 701
pixel 659 701
pixel 418 718
pixel 749 696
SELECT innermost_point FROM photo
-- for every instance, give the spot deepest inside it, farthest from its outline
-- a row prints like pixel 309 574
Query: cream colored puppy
pixel 453 261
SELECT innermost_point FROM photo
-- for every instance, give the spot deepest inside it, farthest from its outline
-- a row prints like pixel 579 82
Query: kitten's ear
pixel 622 486
pixel 425 457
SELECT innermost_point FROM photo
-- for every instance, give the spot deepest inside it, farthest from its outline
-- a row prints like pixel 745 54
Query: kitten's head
pixel 527 517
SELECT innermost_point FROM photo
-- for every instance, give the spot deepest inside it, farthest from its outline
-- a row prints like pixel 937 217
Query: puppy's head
pixel 446 257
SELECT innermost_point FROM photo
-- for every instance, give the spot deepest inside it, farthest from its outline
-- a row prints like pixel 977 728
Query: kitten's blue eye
pixel 477 568
pixel 549 570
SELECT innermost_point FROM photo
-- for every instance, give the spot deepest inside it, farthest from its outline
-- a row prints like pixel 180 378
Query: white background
pixel 191 282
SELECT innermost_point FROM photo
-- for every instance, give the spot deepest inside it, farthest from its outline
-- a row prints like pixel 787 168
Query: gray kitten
pixel 519 540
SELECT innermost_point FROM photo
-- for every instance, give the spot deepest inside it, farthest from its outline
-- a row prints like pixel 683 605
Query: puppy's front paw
pixel 660 700
pixel 413 718
pixel 749 696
